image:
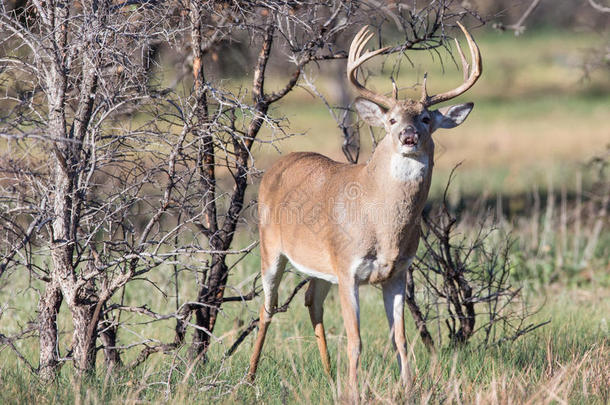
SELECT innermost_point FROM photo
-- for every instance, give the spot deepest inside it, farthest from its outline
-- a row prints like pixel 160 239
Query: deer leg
pixel 348 295
pixel 272 272
pixel 314 301
pixel 394 302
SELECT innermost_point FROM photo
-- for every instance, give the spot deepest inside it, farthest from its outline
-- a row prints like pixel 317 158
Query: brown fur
pixel 319 185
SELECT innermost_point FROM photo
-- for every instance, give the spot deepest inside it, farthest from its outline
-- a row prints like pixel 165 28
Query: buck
pixel 353 224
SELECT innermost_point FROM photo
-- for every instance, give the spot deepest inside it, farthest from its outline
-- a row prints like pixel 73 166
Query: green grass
pixel 293 365
pixel 566 359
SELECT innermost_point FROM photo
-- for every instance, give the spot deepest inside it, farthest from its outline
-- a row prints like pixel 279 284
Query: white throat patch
pixel 408 168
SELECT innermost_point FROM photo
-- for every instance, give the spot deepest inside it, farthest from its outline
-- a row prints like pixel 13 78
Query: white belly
pixel 331 278
pixel 376 269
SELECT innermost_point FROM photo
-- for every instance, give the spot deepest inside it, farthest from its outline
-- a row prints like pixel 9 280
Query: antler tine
pixel 424 88
pixel 356 58
pixel 469 78
pixel 465 65
pixel 362 43
pixel 394 89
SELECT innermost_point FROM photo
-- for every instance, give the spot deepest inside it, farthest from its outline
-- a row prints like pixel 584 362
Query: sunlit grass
pixel 565 360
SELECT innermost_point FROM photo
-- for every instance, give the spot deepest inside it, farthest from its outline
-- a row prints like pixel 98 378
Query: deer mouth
pixel 408 139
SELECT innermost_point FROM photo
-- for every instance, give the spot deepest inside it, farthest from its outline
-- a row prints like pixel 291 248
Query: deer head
pixel 410 123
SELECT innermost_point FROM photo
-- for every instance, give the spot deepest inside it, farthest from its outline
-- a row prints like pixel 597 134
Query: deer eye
pixel 425 120
pixel 392 121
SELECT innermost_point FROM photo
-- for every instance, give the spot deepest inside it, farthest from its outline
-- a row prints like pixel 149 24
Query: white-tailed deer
pixel 352 224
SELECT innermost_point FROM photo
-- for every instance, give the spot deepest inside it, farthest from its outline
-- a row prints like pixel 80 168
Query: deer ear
pixel 372 113
pixel 452 116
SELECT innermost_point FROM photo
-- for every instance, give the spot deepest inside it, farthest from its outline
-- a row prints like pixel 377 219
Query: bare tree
pixel 76 178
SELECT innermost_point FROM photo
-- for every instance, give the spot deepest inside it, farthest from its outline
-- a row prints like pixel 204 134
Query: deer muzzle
pixel 408 136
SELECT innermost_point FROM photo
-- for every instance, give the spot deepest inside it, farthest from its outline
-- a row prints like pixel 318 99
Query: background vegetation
pixel 534 158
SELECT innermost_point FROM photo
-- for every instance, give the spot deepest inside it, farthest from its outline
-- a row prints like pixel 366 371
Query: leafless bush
pixel 83 199
pixel 467 284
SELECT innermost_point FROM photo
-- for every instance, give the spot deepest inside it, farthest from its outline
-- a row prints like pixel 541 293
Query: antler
pixel 469 80
pixel 357 58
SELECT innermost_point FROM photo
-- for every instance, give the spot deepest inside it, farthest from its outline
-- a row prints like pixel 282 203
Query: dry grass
pixel 566 362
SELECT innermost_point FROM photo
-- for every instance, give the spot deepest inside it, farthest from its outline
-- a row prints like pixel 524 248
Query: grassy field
pixel 535 125
pixel 563 362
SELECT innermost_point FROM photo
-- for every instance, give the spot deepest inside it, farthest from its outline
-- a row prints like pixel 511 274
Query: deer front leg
pixel 314 301
pixel 394 302
pixel 348 295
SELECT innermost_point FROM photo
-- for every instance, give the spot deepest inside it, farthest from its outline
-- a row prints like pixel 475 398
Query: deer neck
pixel 394 173
pixel 397 186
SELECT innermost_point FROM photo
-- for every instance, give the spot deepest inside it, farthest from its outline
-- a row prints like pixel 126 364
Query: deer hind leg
pixel 272 271
pixel 394 302
pixel 314 301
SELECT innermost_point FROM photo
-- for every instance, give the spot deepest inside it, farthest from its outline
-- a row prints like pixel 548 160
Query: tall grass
pixel 566 361
pixel 561 258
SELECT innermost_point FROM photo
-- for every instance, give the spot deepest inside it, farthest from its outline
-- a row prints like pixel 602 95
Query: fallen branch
pixel 148 350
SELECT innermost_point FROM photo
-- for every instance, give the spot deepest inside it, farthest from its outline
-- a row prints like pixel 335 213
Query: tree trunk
pixel 48 308
pixel 108 335
pixel 212 290
pixel 210 294
pixel 83 339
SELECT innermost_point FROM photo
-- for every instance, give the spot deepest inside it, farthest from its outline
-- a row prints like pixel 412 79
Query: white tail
pixel 356 224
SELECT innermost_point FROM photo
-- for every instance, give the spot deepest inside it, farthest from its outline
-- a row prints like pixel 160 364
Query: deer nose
pixel 409 129
pixel 408 136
